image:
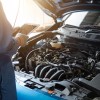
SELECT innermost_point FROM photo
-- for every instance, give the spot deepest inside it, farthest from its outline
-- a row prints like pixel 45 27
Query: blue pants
pixel 7 79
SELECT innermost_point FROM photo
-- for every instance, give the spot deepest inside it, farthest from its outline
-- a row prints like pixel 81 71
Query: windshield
pixel 83 18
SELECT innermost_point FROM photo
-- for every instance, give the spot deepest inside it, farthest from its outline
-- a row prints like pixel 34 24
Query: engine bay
pixel 60 66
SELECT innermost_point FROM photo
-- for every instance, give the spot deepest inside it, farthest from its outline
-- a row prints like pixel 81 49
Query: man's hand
pixel 21 39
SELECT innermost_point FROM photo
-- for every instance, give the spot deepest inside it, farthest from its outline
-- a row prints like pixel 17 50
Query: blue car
pixel 62 62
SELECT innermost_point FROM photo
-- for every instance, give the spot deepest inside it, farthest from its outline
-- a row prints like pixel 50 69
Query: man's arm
pixel 5 31
pixel 8 44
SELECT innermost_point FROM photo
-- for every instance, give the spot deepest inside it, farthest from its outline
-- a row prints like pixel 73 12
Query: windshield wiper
pixel 92 31
pixel 86 27
pixel 91 28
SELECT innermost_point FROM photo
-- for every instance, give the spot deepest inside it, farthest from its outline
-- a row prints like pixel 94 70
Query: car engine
pixel 62 66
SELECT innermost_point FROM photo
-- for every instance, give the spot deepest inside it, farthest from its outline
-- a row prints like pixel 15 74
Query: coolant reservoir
pixel 56 45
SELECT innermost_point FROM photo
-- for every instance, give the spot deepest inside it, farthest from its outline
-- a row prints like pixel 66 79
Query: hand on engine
pixel 21 39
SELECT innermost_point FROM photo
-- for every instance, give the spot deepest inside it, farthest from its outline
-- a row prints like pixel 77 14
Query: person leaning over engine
pixel 8 46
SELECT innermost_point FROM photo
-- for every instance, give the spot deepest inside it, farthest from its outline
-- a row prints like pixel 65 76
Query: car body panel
pixel 24 93
pixel 56 8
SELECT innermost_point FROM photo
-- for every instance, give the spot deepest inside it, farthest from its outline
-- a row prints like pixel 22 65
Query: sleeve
pixel 12 47
pixel 8 44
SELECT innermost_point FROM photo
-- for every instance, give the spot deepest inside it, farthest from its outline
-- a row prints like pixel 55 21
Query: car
pixel 63 61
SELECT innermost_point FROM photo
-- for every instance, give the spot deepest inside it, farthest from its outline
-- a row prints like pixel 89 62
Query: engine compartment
pixel 65 62
pixel 60 66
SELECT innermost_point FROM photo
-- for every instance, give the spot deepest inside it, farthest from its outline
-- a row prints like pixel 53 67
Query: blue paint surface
pixel 24 93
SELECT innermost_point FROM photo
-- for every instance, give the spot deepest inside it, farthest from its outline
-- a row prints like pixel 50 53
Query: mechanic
pixel 8 46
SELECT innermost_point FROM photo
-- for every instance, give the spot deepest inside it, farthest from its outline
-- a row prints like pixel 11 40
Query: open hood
pixel 56 8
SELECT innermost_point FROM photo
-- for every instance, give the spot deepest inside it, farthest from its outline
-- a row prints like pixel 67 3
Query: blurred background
pixel 20 12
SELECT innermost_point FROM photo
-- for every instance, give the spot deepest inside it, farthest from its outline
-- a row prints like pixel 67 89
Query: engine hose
pixel 27 57
pixel 56 75
pixel 51 72
pixel 44 71
pixel 62 77
pixel 38 69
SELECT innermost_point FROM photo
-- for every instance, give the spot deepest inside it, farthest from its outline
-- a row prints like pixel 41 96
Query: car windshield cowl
pixel 86 28
pixel 83 26
pixel 94 27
